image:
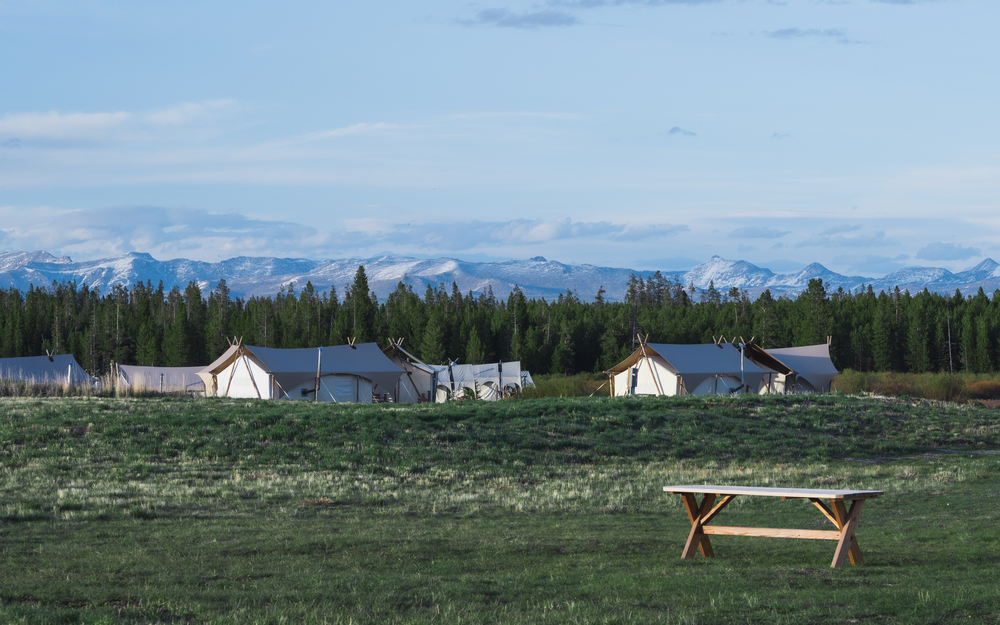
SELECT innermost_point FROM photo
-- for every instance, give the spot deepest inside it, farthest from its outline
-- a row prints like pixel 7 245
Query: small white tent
pixel 61 369
pixel 346 373
pixel 667 369
pixel 814 369
pixel 526 380
pixel 161 379
pixel 489 382
pixel 419 380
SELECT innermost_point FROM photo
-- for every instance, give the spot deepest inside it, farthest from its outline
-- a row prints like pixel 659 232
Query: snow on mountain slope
pixel 536 277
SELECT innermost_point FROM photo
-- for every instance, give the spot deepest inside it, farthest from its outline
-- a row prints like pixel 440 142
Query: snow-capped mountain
pixel 537 277
pixel 246 276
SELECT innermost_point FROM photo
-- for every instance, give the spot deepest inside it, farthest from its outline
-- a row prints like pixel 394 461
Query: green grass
pixel 552 510
pixel 577 385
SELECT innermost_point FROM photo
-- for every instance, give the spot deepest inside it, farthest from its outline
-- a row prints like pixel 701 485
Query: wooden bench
pixel 844 519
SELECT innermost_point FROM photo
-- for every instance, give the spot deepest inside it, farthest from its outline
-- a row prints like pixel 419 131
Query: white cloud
pixel 201 235
pixel 354 129
pixel 104 126
pixel 757 232
pixel 62 126
pixel 876 239
pixel 947 251
pixel 188 112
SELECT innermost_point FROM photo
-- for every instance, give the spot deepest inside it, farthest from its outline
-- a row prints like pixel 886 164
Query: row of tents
pixel 723 368
pixel 363 373
pixel 353 373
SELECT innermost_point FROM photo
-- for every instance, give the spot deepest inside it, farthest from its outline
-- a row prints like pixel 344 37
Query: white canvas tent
pixel 160 379
pixel 489 382
pixel 667 369
pixel 779 378
pixel 526 381
pixel 61 369
pixel 419 380
pixel 347 373
pixel 814 370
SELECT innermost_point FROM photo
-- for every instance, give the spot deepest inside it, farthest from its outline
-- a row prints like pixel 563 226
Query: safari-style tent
pixel 160 379
pixel 779 378
pixel 668 369
pixel 526 381
pixel 343 373
pixel 50 369
pixel 814 369
pixel 418 383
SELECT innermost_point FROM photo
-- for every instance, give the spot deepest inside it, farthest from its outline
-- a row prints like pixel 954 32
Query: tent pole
pixel 598 388
pixel 652 372
pixel 246 361
pixel 232 372
pixel 319 365
pixel 332 396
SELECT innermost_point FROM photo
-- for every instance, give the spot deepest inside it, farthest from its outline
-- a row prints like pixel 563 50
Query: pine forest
pixel 147 325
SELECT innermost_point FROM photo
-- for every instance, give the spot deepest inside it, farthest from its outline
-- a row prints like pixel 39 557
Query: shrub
pixel 985 389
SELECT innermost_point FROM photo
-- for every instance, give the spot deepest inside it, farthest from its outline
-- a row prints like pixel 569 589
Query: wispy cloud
pixel 56 126
pixel 346 131
pixel 876 239
pixel 840 229
pixel 947 251
pixel 505 18
pixel 677 130
pixel 203 235
pixel 871 263
pixel 757 232
pixel 779 135
pixel 13 143
pixel 833 34
pixel 164 232
pixel 590 4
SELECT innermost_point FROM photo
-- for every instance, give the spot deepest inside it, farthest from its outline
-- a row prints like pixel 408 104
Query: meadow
pixel 177 510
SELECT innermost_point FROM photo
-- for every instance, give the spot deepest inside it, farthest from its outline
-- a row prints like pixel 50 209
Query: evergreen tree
pixel 474 350
pixel 432 350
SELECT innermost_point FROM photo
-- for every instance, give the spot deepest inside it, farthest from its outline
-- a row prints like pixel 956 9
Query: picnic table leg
pixel 847 546
pixel 696 513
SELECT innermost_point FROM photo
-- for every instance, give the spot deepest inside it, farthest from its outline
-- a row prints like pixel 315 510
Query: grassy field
pixel 544 510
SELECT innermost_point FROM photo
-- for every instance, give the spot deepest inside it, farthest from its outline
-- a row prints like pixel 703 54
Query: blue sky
pixel 650 134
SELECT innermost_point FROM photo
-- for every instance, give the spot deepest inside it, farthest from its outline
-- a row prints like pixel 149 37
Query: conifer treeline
pixel 151 326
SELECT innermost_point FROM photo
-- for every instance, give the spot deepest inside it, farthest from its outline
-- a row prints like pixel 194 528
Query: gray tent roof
pixel 364 359
pixel 697 363
pixel 811 362
pixel 44 369
pixel 708 358
pixel 175 379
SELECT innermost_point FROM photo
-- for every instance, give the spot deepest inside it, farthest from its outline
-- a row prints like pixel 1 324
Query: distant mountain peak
pixel 536 277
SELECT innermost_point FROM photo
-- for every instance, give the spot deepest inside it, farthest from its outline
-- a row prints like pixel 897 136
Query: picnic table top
pixel 791 493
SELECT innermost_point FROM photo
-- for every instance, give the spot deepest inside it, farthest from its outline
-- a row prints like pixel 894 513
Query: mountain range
pixel 536 277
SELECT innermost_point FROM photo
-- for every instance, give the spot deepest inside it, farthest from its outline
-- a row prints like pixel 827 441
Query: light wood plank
pixel 827 512
pixel 717 509
pixel 771 532
pixel 854 551
pixel 705 544
pixel 697 538
pixel 788 493
pixel 846 545
pixel 691 505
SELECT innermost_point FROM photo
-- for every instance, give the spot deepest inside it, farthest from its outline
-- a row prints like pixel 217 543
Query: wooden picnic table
pixel 844 519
